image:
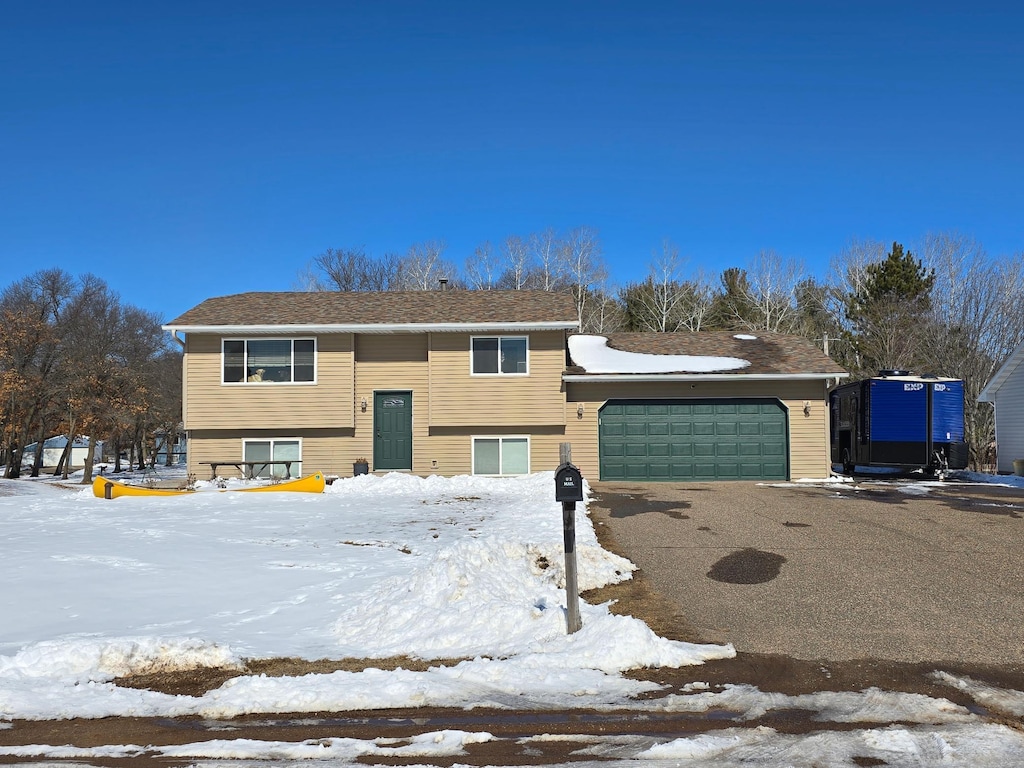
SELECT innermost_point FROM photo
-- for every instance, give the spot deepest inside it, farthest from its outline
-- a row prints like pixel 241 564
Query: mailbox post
pixel 569 490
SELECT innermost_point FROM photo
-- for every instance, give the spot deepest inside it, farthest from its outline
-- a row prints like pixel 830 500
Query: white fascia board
pixel 645 377
pixel 299 328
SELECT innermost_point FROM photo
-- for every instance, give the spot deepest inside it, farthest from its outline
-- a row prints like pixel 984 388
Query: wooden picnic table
pixel 249 468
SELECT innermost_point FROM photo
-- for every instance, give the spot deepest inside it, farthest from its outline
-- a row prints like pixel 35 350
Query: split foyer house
pixel 491 382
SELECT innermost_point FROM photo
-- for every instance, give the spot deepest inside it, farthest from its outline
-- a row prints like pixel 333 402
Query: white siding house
pixel 1006 392
pixel 53 448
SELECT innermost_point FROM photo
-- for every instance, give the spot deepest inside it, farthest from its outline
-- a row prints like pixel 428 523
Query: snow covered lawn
pixel 436 568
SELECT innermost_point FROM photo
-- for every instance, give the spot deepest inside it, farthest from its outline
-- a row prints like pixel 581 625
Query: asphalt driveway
pixel 834 572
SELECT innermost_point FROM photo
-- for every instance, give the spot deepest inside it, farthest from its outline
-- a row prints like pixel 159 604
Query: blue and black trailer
pixel 899 420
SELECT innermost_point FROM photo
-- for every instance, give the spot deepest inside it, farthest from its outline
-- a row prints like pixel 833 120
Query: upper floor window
pixel 272 361
pixel 499 354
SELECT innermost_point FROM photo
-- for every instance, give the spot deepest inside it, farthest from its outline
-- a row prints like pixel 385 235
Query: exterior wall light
pixel 807 407
pixel 579 411
pixel 362 404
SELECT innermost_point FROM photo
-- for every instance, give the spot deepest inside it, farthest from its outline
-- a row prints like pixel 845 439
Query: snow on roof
pixel 593 354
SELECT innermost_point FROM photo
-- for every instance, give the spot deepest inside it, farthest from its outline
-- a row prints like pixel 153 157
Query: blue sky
pixel 183 149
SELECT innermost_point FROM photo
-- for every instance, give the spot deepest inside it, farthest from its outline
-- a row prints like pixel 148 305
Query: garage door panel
pixel 710 439
pixel 705 471
pixel 658 471
pixel 613 428
pixel 658 449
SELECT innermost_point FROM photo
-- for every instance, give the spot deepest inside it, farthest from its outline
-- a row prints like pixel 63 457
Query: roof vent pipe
pixel 443 282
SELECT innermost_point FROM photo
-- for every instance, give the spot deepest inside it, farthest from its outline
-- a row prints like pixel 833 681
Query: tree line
pixel 76 360
pixel 948 310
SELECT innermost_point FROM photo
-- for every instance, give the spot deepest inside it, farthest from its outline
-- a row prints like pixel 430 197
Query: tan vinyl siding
pixel 290 407
pixel 391 363
pixel 333 451
pixel 452 447
pixel 460 399
pixel 808 435
pixel 322 450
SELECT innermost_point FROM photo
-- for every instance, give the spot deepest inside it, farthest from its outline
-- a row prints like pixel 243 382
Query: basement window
pixel 501 455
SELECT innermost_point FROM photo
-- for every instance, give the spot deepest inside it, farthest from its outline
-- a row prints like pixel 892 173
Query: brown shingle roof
pixel 392 307
pixel 769 353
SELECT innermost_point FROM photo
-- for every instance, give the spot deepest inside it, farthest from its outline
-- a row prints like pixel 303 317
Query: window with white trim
pixel 268 361
pixel 501 455
pixel 275 449
pixel 499 355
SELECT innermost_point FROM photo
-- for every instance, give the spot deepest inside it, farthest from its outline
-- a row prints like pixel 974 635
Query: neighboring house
pixel 482 382
pixel 1006 393
pixel 53 449
pixel 178 448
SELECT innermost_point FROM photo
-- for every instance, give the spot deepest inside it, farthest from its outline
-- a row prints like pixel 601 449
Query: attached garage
pixel 693 439
pixel 698 407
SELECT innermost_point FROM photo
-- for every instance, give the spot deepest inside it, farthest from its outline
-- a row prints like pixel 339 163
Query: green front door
pixel 392 423
pixel 712 439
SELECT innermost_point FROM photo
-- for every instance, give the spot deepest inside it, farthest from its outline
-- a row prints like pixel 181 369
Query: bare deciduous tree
pixel 584 268
pixel 664 302
pixel 351 269
pixel 81 360
pixel 771 291
pixel 977 322
pixel 547 255
pixel 518 260
pixel 483 268
pixel 423 266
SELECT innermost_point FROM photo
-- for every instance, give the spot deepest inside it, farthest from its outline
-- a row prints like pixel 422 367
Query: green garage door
pixel 714 439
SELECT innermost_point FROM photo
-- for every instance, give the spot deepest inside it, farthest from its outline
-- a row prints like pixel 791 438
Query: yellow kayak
pixel 309 484
pixel 105 488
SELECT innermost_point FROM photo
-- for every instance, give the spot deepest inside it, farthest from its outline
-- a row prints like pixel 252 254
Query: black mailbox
pixel 568 483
